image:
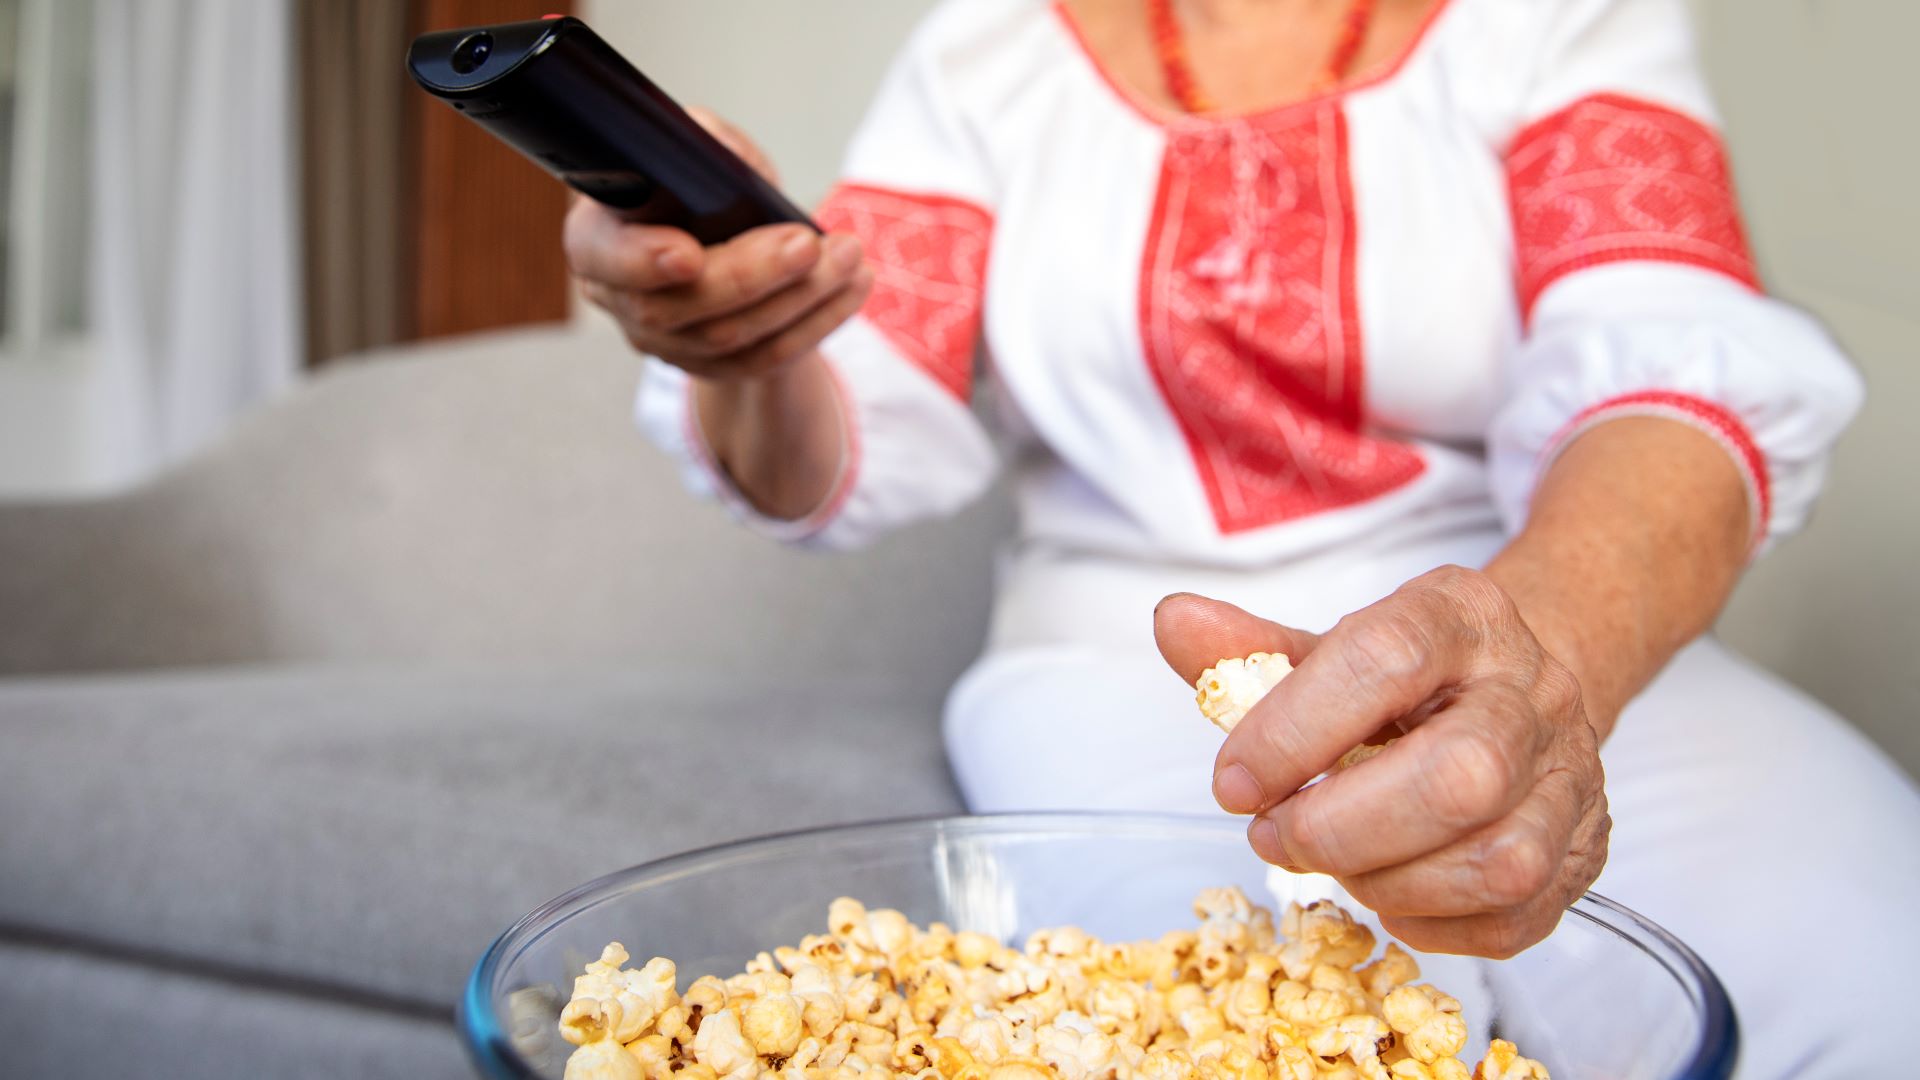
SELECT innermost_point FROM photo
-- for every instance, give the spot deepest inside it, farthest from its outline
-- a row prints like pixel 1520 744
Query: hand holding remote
pixel 739 310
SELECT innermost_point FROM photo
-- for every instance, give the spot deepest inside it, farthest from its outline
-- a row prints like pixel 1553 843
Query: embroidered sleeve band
pixel 1611 179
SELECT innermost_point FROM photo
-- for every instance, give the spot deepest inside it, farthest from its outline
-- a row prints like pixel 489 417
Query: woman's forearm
pixel 780 438
pixel 1636 537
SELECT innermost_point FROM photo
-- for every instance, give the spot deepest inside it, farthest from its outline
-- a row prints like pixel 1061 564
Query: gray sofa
pixel 289 734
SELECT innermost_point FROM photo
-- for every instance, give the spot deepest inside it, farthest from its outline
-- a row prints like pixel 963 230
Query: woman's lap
pixel 1072 728
pixel 1750 821
pixel 1771 836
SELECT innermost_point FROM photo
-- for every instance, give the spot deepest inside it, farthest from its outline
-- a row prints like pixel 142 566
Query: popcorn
pixel 655 1055
pixel 1503 1062
pixel 1444 1069
pixel 1321 933
pixel 773 1025
pixel 588 1020
pixel 973 950
pixel 1432 1031
pixel 706 995
pixel 1293 1063
pixel 676 1025
pixel 1395 968
pixel 602 1059
pixel 1358 1037
pixel 891 932
pixel 721 1045
pixel 877 998
pixel 1363 752
pixel 609 1002
pixel 1229 688
pixel 821 1006
pixel 1302 1007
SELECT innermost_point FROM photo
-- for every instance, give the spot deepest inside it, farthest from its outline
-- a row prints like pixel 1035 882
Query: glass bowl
pixel 1609 996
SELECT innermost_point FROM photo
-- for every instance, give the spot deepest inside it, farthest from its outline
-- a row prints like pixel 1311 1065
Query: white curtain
pixel 195 240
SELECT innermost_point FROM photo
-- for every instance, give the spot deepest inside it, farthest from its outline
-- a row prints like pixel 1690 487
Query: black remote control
pixel 555 91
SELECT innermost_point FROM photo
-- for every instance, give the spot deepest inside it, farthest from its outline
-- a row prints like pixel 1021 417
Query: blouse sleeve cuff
pixel 1709 417
pixel 679 432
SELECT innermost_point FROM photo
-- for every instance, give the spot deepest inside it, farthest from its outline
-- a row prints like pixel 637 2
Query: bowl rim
pixel 494 1055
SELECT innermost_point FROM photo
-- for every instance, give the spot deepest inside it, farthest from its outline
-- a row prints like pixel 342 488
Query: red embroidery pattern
pixel 929 255
pixel 1609 179
pixel 1709 416
pixel 1251 323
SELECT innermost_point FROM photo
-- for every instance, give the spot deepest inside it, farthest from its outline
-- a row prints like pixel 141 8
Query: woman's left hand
pixel 1477 828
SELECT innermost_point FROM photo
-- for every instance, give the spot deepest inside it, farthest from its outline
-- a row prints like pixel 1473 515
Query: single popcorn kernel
pixel 1431 1031
pixel 1444 1069
pixel 1503 1062
pixel 1229 688
pixel 654 1053
pixel 720 1044
pixel 1363 752
pixel 586 1020
pixel 1394 969
pixel 878 998
pixel 773 1025
pixel 1293 1063
pixel 603 1060
pixel 706 996
pixel 973 950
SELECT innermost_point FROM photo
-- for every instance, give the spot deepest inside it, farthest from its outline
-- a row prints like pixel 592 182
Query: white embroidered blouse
pixel 1235 342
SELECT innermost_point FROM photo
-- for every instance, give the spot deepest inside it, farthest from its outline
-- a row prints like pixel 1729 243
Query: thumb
pixel 1195 633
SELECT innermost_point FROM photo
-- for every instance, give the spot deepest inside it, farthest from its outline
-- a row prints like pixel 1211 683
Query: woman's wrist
pixel 1572 631
pixel 1636 537
pixel 777 436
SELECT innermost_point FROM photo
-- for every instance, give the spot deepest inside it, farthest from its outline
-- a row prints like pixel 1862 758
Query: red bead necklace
pixel 1171 43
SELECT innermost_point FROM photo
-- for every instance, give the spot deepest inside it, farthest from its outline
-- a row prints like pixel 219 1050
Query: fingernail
pixel 798 253
pixel 672 262
pixel 1264 836
pixel 1237 792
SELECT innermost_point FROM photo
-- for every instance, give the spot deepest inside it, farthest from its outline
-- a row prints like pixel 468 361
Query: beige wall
pixel 797 76
pixel 1812 90
pixel 1819 98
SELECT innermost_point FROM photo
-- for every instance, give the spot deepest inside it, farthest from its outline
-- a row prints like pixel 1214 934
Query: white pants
pixel 1756 825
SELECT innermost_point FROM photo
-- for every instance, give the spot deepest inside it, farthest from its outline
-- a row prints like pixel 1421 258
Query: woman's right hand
pixel 738 311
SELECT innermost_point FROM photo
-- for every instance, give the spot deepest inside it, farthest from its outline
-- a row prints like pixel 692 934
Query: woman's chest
pixel 1338 268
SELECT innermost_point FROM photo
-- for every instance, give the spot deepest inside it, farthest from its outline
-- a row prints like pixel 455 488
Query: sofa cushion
pixel 80 1016
pixel 374 830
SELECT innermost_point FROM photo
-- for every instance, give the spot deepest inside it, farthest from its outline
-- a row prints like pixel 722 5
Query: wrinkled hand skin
pixel 1480 824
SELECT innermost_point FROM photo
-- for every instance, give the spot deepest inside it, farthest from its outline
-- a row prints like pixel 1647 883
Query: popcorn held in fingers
pixel 878 998
pixel 1229 688
pixel 1363 752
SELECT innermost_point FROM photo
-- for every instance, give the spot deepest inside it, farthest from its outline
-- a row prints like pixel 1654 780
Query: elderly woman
pixel 1291 302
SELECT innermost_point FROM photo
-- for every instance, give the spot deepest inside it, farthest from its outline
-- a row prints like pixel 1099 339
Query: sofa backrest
pixel 483 502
